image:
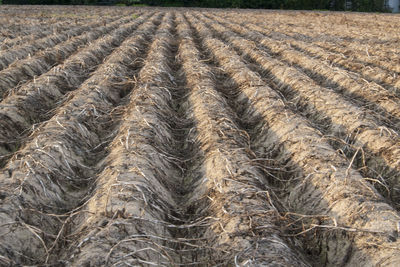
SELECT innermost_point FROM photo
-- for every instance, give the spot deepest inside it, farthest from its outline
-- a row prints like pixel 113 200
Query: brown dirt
pixel 348 124
pixel 370 94
pixel 34 101
pixel 54 172
pixel 274 119
pixel 189 137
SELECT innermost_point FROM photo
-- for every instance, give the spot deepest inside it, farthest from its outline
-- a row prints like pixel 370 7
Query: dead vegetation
pixel 34 101
pixel 157 137
pixel 53 173
pixel 350 127
pixel 369 94
pixel 291 141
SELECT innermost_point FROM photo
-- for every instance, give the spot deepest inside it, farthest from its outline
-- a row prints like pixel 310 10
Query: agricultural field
pixel 198 137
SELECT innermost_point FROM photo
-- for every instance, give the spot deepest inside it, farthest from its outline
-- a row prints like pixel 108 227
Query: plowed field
pixel 195 137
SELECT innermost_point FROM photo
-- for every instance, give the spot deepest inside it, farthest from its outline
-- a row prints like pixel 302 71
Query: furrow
pixel 380 42
pixel 14 31
pixel 370 94
pixel 12 56
pixel 33 102
pixel 368 70
pixel 352 129
pixel 32 28
pixel 27 69
pixel 244 225
pixel 34 32
pixel 375 54
pixel 366 66
pixel 378 57
pixel 345 221
pixel 127 220
pixel 45 183
pixel 137 136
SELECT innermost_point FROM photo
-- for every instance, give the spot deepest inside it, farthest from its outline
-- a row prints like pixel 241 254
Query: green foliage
pixel 357 5
pixel 128 3
pixel 368 5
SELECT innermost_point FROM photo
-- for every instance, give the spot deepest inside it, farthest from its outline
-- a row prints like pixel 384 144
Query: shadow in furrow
pixel 231 192
pixel 35 102
pixel 43 188
pixel 321 187
pixel 353 131
pixel 133 206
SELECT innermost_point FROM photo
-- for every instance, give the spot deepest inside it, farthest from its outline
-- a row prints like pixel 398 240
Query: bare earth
pixel 195 137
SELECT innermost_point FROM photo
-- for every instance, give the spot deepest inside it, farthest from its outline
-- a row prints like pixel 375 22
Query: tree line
pixel 354 5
